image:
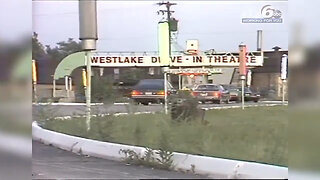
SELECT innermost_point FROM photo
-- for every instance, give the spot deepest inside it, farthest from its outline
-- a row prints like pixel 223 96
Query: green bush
pixel 184 107
pixel 103 89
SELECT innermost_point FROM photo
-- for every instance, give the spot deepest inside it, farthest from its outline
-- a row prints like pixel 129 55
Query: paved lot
pixel 13 166
pixel 51 163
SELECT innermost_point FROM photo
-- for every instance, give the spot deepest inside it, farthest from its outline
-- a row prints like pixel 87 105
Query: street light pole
pixel 180 79
pixel 242 90
pixel 242 69
pixel 54 88
pixel 88 36
pixel 283 90
pixel 88 91
pixel 165 91
pixel 284 74
pixel 165 52
pixel 34 80
pixel 66 84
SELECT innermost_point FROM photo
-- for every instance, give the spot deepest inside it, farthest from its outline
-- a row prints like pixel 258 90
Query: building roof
pixel 272 61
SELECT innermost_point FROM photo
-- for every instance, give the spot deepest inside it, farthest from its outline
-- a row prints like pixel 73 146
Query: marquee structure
pixel 163 58
pixel 105 59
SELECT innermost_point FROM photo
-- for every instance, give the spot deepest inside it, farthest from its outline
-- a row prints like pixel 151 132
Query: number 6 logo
pixel 267 11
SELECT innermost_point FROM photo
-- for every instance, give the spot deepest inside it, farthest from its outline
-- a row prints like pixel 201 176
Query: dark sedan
pixel 150 91
pixel 250 95
pixel 235 94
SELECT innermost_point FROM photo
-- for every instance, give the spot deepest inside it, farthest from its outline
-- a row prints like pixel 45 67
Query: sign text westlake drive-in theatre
pixel 175 61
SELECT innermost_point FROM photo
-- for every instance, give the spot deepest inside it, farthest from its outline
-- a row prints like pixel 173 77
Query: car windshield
pixel 152 84
pixel 246 90
pixel 229 87
pixel 233 88
pixel 207 88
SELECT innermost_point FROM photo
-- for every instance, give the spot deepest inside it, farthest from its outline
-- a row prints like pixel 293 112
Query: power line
pixel 99 11
pixel 230 32
pixel 168 12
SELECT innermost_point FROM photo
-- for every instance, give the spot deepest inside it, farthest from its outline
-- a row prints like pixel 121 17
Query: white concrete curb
pixel 66 104
pixel 153 112
pixel 75 104
pixel 125 103
pixel 102 115
pixel 213 167
pixel 246 106
pixel 280 102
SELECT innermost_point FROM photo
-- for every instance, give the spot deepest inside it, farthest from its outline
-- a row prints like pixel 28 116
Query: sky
pixel 15 20
pixel 132 25
pixel 305 15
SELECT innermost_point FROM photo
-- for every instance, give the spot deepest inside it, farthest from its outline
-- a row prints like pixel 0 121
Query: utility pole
pixel 242 69
pixel 284 74
pixel 167 11
pixel 88 35
pixel 168 14
pixel 34 80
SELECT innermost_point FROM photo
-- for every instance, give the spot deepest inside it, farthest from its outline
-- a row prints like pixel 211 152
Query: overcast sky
pixel 15 20
pixel 132 25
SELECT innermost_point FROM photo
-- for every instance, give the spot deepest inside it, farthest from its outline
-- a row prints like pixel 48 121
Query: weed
pixel 130 156
pixel 164 161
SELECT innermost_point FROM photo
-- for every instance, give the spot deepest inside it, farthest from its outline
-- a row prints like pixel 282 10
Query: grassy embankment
pixel 257 134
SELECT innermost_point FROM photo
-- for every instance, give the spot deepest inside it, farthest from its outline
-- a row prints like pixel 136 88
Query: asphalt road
pixel 51 163
pixel 13 166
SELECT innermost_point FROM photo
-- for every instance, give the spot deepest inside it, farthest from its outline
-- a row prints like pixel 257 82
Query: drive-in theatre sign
pixel 174 61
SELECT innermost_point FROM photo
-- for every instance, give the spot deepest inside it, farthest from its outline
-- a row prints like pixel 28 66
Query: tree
pixel 63 49
pixel 38 50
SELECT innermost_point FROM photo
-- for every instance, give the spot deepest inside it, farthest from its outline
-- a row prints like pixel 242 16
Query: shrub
pixel 102 89
pixel 184 107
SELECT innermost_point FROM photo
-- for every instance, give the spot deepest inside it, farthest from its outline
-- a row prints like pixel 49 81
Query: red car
pixel 211 92
pixel 235 93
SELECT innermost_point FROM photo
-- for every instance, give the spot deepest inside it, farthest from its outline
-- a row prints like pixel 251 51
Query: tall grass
pixel 256 134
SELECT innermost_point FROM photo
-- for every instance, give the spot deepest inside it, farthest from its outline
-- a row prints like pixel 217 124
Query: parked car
pixel 250 95
pixel 211 92
pixel 150 91
pixel 235 94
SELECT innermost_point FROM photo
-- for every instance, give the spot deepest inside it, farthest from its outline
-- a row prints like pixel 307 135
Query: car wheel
pixel 135 103
pixel 145 103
